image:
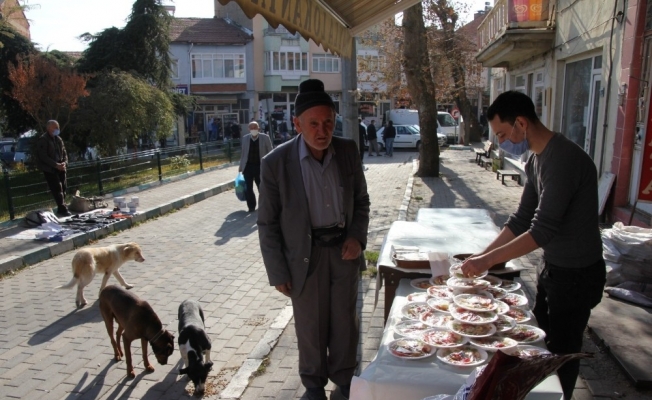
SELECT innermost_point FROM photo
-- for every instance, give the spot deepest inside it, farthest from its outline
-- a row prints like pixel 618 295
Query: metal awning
pixel 330 23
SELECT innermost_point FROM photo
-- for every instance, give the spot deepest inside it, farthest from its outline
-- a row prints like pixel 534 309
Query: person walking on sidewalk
pixel 558 212
pixel 313 221
pixel 372 137
pixel 52 159
pixel 255 145
pixel 389 133
pixel 362 137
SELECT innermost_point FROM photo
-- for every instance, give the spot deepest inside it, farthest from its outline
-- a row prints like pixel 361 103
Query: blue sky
pixel 55 24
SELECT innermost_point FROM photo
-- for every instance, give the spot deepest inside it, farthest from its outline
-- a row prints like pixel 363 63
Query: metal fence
pixel 24 191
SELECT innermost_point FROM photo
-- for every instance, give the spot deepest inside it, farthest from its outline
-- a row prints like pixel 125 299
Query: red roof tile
pixel 207 31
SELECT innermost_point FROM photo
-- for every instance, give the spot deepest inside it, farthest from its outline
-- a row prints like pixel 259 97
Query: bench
pixel 484 152
pixel 508 172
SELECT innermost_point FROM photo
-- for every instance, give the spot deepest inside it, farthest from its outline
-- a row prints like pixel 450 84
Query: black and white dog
pixel 194 344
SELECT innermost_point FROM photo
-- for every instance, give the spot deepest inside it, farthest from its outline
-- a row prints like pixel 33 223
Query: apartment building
pixel 586 65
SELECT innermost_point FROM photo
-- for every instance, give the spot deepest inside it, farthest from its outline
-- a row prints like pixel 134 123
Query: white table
pixel 391 378
pixel 448 230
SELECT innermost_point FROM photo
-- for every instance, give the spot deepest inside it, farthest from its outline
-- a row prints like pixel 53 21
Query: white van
pixel 446 124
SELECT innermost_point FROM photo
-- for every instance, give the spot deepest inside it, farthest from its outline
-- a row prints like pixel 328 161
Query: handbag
pixel 240 187
pixel 85 204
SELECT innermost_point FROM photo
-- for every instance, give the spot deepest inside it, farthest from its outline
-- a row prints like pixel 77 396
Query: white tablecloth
pixel 391 378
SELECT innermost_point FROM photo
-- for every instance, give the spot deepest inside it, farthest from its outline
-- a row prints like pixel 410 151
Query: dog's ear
pixel 183 371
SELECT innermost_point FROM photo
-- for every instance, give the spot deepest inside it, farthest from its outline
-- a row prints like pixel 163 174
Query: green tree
pixel 141 47
pixel 13 118
pixel 121 108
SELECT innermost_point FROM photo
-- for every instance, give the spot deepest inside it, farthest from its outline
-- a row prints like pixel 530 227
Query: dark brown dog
pixel 136 320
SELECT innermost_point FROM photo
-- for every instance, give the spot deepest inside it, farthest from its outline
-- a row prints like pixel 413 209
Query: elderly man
pixel 312 224
pixel 559 213
pixel 255 146
pixel 52 159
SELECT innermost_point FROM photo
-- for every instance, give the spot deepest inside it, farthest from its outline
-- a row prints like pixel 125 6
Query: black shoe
pixel 316 393
pixel 63 211
pixel 345 391
pixel 251 210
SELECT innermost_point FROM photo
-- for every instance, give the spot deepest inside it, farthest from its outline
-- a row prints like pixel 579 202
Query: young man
pixel 255 146
pixel 313 219
pixel 559 213
pixel 52 159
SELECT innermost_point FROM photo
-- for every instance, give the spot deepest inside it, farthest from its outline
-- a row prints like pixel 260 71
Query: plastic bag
pixel 240 187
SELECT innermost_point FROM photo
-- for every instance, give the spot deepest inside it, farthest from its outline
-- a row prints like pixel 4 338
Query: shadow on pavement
pixel 237 224
pixel 93 389
pixel 89 314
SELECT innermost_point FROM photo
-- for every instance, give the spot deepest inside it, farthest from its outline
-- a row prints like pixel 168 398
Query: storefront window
pixel 577 87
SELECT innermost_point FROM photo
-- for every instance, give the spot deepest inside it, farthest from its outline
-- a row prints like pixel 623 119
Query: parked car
pixel 407 136
pixel 441 138
pixel 7 152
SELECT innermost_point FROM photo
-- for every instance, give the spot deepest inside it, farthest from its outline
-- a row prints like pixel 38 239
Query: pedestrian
pixel 313 221
pixel 235 131
pixel 389 133
pixel 52 160
pixel 283 129
pixel 372 137
pixel 362 137
pixel 255 145
pixel 213 129
pixel 558 212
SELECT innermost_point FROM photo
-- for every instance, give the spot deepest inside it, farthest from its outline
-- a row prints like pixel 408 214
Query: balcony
pixel 514 31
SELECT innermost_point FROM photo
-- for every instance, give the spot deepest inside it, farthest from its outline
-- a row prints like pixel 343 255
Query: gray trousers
pixel 326 321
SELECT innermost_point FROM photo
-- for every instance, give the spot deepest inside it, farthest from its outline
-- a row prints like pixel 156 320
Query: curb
pixel 53 249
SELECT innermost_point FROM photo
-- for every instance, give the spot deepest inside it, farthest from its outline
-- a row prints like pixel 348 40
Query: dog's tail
pixel 70 284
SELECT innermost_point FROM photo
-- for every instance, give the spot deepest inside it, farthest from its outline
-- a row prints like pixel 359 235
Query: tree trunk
pixel 421 87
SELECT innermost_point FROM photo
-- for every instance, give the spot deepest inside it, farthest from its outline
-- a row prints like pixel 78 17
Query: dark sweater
pixel 559 205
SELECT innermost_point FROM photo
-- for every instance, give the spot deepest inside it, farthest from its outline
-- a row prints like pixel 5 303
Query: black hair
pixel 510 105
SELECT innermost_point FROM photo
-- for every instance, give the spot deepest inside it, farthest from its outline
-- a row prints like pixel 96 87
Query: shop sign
pixel 181 89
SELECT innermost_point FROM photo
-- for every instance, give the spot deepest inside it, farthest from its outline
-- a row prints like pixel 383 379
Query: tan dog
pixel 136 320
pixel 107 260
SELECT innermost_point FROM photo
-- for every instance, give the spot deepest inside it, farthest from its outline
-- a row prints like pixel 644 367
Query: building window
pixel 242 108
pixel 218 65
pixel 325 63
pixel 174 69
pixel 371 63
pixel 288 61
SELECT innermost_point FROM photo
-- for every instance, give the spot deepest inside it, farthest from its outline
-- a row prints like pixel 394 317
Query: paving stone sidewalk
pixel 209 251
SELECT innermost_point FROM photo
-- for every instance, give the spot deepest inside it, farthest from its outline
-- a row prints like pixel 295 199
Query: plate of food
pixel 494 343
pixel 456 283
pixel 510 286
pixel 494 281
pixel 441 305
pixel 456 272
pixel 420 283
pixel 442 338
pixel 502 307
pixel 440 292
pixel 473 317
pixel 496 292
pixel 410 349
pixel 414 310
pixel 465 356
pixel 410 328
pixel 524 351
pixel 417 297
pixel 475 302
pixel 519 315
pixel 436 319
pixel 504 324
pixel 525 334
pixel 472 331
pixel 514 300
pixel 439 280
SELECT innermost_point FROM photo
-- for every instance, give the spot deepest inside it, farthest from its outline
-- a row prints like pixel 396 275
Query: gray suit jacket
pixel 284 227
pixel 264 143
